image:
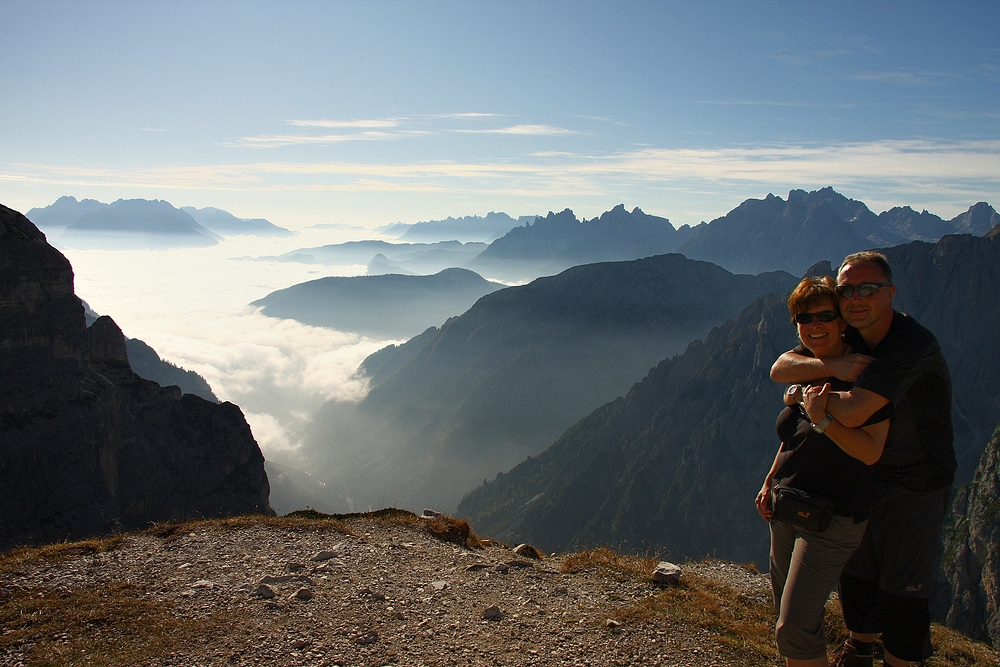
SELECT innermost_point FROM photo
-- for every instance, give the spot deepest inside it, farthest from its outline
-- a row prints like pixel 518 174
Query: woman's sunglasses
pixel 847 291
pixel 822 316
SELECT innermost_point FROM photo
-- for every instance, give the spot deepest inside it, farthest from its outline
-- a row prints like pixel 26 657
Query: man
pixel 885 586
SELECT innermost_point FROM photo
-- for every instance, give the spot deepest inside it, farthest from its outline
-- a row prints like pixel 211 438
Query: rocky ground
pixel 362 591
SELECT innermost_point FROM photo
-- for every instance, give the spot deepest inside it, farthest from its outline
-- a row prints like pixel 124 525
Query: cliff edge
pixel 87 446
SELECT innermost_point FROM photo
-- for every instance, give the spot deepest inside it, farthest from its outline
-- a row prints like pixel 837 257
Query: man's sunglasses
pixel 822 316
pixel 847 291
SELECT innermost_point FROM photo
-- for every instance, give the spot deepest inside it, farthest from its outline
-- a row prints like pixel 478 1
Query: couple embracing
pixel 858 489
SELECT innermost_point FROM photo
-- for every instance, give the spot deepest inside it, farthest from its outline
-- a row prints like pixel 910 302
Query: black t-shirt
pixel 813 462
pixel 910 371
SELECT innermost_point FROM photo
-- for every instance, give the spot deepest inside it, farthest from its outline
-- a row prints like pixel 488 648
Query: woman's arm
pixel 763 500
pixel 794 367
pixel 864 443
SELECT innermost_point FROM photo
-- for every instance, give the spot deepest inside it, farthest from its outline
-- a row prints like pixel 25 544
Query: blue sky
pixel 371 112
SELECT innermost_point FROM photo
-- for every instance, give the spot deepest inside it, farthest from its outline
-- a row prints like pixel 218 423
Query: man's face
pixel 859 311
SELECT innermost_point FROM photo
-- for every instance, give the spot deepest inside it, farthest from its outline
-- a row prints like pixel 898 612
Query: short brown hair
pixel 869 257
pixel 810 292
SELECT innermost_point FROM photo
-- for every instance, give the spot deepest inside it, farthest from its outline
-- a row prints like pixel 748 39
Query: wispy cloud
pixel 278 140
pixel 374 129
pixel 467 115
pixel 904 78
pixel 528 129
pixel 775 103
pixel 344 123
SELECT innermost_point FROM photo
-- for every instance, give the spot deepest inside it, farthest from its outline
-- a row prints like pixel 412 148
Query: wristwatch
pixel 820 427
pixel 795 392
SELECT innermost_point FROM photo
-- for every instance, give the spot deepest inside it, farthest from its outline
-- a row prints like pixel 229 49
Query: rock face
pixel 971 561
pixel 86 445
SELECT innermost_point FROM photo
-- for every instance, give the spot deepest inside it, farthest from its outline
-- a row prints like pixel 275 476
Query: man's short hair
pixel 870 257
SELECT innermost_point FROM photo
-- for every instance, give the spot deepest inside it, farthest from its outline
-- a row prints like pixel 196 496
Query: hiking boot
pixel 849 657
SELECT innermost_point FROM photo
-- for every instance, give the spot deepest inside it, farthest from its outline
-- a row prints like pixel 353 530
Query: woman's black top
pixel 813 462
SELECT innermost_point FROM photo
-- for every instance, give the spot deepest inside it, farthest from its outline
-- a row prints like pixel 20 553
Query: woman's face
pixel 822 338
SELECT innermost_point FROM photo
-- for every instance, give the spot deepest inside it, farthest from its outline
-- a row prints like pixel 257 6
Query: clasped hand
pixel 814 401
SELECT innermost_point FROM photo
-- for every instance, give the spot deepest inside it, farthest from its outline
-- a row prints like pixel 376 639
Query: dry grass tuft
pixel 111 625
pixel 742 623
pixel 10 560
pixel 450 529
pixel 953 649
pixel 607 560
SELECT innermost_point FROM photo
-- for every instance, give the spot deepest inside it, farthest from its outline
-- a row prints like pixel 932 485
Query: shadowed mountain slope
pixel 389 306
pixel 673 465
pixel 504 379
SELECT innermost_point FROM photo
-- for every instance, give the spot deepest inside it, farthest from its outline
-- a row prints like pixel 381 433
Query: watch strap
pixel 821 426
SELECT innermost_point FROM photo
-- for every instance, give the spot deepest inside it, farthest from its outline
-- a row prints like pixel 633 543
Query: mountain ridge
pixel 389 305
pixel 522 364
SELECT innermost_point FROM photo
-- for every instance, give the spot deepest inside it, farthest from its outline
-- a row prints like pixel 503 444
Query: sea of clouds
pixel 192 306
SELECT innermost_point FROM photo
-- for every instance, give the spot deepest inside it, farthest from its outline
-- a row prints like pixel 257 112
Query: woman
pixel 805 561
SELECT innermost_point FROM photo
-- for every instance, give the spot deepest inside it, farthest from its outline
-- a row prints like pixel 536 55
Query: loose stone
pixel 264 591
pixel 666 573
pixel 303 594
pixel 369 638
pixel 492 613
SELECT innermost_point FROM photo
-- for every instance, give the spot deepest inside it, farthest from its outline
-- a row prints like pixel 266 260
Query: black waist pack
pixel 801 508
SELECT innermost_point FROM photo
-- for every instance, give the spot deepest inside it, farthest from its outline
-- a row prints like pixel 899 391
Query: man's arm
pixel 853 408
pixel 795 367
pixel 865 444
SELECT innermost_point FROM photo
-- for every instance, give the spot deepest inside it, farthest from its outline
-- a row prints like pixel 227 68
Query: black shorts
pixel 886 584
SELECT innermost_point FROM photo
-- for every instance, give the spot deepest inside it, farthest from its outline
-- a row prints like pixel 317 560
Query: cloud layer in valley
pixel 191 306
